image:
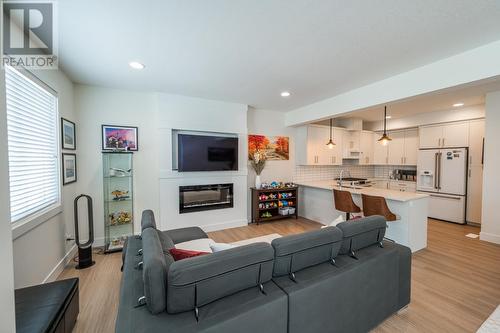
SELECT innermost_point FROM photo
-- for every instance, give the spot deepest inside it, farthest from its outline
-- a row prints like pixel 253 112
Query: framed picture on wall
pixel 68 134
pixel 119 138
pixel 68 168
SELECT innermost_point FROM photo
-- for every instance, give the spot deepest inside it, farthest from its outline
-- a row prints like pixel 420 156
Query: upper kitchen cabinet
pixel 311 146
pixel 445 136
pixel 366 149
pixel 396 153
pixel 403 149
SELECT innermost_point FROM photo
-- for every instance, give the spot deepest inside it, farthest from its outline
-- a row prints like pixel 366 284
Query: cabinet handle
pixel 443 142
pixel 439 142
pixel 402 160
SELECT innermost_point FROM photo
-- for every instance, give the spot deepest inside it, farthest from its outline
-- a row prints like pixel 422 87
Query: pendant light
pixel 330 144
pixel 384 140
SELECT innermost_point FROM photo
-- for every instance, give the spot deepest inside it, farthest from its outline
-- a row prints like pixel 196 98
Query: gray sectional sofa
pixel 337 279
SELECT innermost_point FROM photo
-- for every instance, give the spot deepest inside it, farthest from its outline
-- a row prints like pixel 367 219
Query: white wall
pixel 97 106
pixel 490 226
pixel 155 183
pixel 41 253
pixel 187 113
pixel 7 316
pixel 467 113
pixel 270 123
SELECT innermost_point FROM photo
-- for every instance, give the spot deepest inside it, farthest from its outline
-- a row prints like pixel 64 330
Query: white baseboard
pixel 224 225
pixel 492 238
pixel 57 270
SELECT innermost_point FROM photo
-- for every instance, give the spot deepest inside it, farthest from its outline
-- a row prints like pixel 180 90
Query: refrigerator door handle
pixel 482 153
pixel 445 196
pixel 439 168
pixel 436 170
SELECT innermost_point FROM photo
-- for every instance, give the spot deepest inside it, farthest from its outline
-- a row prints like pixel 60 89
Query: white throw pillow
pixel 338 220
pixel 216 247
pixel 200 245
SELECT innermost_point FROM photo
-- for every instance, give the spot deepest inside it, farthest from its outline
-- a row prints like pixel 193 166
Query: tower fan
pixel 84 249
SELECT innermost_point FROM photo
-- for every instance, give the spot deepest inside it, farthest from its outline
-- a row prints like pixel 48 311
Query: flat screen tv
pixel 207 153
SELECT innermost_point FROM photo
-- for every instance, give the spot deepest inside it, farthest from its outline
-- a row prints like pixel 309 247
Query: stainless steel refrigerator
pixel 442 173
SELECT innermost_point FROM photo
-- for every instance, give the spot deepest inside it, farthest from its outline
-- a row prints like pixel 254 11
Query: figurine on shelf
pixel 117 172
pixel 121 217
pixel 266 215
pixel 120 195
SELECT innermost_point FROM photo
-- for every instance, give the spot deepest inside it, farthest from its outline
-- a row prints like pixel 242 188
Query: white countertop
pixel 387 194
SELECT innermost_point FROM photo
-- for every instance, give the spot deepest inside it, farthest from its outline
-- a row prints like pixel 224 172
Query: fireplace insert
pixel 196 198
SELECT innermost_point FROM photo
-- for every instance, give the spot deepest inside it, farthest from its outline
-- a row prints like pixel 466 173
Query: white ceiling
pixel 250 51
pixel 472 94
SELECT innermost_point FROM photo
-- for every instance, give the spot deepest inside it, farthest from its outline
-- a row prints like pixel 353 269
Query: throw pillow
pixel 216 247
pixel 180 254
pixel 335 222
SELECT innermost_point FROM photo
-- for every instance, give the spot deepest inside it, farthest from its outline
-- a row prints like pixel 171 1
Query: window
pixel 32 130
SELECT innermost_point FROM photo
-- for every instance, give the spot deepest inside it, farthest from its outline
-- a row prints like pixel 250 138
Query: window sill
pixel 30 222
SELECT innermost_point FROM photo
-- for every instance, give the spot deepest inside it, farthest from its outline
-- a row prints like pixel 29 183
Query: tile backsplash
pixel 329 172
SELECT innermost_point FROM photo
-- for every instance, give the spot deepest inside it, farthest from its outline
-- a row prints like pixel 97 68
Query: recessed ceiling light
pixel 285 94
pixel 456 105
pixel 136 65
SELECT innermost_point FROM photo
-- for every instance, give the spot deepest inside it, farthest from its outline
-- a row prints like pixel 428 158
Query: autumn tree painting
pixel 274 147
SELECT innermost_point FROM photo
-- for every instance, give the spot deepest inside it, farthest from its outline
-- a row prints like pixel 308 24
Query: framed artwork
pixel 274 147
pixel 68 168
pixel 119 138
pixel 68 134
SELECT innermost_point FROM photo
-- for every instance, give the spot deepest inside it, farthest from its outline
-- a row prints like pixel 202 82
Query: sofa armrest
pixel 185 234
pixel 197 281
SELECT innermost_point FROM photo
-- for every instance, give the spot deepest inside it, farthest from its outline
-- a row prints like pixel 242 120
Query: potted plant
pixel 258 162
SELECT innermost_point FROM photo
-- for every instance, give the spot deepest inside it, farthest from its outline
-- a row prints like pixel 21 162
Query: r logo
pixel 27 28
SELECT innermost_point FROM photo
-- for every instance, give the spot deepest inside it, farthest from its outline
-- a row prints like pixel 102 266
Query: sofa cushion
pixel 296 252
pixel 362 233
pixel 165 241
pixel 202 244
pixel 154 271
pixel 195 282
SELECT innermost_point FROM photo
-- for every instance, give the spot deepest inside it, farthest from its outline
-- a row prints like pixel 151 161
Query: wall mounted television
pixel 207 153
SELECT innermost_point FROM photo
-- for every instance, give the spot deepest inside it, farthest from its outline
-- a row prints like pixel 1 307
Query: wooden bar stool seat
pixel 343 203
pixel 373 205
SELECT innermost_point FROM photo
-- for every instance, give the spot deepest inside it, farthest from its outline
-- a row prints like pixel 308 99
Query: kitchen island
pixel 316 202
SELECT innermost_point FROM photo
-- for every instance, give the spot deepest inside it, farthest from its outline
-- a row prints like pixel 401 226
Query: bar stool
pixel 343 203
pixel 373 205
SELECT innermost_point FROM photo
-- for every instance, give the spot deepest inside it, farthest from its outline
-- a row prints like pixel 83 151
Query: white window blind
pixel 32 130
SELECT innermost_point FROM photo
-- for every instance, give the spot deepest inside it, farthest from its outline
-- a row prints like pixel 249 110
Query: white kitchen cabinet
pixel 396 148
pixel 311 148
pixel 402 186
pixel 366 154
pixel 475 173
pixel 445 136
pixel 380 152
pixel 411 147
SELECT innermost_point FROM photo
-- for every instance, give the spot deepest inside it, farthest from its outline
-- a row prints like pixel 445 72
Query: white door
pixel 427 170
pixel 455 135
pixel 379 151
pixel 452 171
pixel 411 147
pixel 396 148
pixel 431 136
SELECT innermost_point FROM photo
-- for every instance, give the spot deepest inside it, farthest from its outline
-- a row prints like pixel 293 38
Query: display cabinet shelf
pixel 118 199
pixel 286 206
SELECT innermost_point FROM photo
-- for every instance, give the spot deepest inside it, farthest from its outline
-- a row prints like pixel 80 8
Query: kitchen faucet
pixel 341 177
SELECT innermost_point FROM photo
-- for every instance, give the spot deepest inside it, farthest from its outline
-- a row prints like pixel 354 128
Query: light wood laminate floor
pixel 455 280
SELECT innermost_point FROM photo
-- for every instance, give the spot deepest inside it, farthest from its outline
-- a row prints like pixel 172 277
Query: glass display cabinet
pixel 118 199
